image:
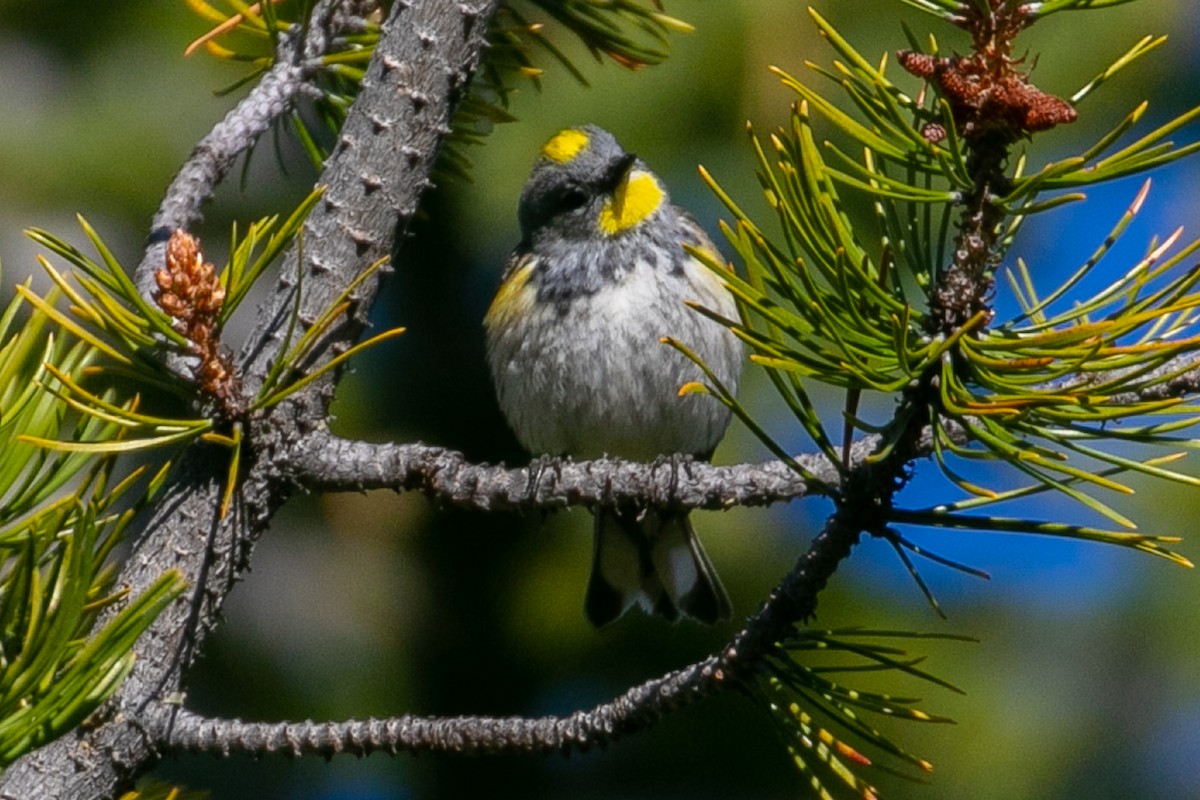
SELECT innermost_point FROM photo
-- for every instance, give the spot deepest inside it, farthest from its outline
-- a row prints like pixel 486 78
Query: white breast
pixel 597 380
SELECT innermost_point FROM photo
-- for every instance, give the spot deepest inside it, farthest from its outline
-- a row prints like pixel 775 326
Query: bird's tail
pixel 653 560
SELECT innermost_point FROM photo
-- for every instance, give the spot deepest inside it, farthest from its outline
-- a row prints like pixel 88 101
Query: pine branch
pixel 427 53
pixel 321 462
pixel 639 708
pixel 215 154
pixel 862 501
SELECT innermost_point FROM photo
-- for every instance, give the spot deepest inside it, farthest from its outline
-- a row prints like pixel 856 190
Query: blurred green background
pixel 1086 682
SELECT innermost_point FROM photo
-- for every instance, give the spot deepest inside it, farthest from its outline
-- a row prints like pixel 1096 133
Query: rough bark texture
pixel 322 462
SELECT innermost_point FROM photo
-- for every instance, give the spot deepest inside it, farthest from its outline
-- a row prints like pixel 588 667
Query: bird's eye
pixel 570 199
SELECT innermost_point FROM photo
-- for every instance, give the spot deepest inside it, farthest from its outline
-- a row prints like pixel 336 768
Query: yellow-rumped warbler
pixel 599 276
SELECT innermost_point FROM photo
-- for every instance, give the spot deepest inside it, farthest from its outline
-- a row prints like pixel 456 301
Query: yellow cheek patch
pixel 636 198
pixel 514 299
pixel 565 145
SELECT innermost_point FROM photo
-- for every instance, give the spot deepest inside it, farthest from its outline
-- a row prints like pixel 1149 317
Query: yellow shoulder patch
pixel 514 299
pixel 638 196
pixel 565 145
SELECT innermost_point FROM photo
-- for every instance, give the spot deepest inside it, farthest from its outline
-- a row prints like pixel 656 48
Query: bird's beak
pixel 619 172
pixel 619 179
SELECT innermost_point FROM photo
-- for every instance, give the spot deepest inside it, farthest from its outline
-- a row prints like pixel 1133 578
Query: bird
pixel 573 339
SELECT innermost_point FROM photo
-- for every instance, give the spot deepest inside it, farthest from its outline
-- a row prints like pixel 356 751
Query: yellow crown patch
pixel 565 145
pixel 638 196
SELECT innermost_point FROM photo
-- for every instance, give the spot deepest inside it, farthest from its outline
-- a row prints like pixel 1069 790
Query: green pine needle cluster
pixel 61 515
pixel 72 382
pixel 846 303
pixel 823 719
pixel 135 338
pixel 524 38
pixel 1073 393
pixel 950 10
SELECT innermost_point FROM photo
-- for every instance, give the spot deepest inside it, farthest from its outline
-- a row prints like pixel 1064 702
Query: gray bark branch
pixel 323 462
pixel 218 151
pixel 793 600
